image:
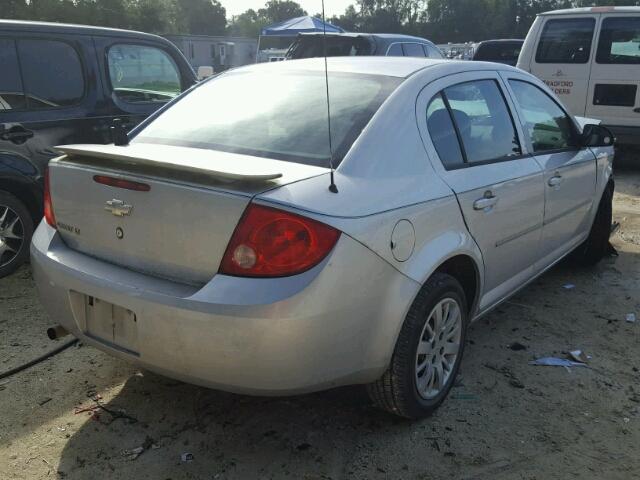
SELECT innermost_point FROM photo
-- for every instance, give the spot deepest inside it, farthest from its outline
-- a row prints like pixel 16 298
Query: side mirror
pixel 204 72
pixel 597 136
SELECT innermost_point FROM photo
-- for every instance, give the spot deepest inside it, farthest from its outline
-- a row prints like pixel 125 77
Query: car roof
pixel 385 36
pixel 400 67
pixel 592 10
pixel 68 28
pixel 501 40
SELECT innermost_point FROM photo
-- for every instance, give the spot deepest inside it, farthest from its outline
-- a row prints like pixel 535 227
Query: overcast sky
pixel 331 7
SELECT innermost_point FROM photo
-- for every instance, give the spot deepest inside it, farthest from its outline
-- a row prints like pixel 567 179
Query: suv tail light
pixel 48 206
pixel 268 242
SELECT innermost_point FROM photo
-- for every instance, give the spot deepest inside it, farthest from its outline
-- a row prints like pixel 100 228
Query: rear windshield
pixel 274 115
pixel 501 52
pixel 313 47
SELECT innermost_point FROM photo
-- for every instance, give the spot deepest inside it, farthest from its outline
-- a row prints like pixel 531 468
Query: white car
pixel 215 248
pixel 590 58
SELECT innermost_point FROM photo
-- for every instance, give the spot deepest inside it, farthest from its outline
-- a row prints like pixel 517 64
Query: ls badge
pixel 118 208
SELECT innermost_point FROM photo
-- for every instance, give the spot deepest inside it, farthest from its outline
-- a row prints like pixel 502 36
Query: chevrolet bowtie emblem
pixel 118 208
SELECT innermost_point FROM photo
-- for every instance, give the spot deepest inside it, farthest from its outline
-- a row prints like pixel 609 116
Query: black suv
pixel 310 45
pixel 63 84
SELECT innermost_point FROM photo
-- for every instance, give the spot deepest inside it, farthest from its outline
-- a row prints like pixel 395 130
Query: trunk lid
pixel 178 229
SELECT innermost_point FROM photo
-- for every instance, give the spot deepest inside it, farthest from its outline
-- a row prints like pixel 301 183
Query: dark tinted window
pixel 501 52
pixel 566 41
pixel 443 133
pixel 11 92
pixel 413 50
pixel 483 121
pixel 619 41
pixel 312 46
pixel 273 115
pixel 52 73
pixel 141 74
pixel 617 95
pixel 546 124
pixel 395 50
pixel 434 52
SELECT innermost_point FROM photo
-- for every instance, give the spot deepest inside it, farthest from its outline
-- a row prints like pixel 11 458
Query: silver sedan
pixel 230 244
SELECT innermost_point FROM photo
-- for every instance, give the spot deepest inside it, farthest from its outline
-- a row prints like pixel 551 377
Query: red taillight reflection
pixel 121 183
pixel 269 242
pixel 49 217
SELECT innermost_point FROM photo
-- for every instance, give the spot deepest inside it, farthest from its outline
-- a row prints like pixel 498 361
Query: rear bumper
pixel 626 135
pixel 333 325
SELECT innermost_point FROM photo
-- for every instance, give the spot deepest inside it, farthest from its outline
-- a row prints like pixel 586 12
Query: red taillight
pixel 121 183
pixel 49 217
pixel 273 243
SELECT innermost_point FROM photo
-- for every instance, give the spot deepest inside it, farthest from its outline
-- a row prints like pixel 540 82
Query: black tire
pixel 10 261
pixel 596 246
pixel 396 391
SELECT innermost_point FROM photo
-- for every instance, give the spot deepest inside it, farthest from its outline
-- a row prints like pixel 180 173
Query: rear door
pixel 614 96
pixel 139 76
pixel 569 169
pixel 467 124
pixel 561 57
pixel 53 94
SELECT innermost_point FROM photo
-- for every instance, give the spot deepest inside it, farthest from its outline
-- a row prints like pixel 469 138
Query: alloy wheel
pixel 11 235
pixel 438 348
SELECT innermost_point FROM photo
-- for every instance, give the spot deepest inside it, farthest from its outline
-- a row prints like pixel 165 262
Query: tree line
pixel 438 20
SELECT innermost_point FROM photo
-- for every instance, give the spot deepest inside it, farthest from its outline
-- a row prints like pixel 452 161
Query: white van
pixel 590 57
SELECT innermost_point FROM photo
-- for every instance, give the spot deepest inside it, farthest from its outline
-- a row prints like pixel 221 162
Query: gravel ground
pixel 504 419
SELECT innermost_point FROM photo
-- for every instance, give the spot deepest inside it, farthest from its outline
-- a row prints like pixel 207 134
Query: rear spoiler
pixel 154 159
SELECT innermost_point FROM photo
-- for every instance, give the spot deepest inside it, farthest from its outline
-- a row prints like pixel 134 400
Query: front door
pixel 614 93
pixel 499 187
pixel 569 169
pixel 562 58
pixel 139 77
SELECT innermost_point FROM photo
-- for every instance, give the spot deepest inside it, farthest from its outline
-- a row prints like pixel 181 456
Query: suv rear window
pixel 275 115
pixel 566 41
pixel 619 41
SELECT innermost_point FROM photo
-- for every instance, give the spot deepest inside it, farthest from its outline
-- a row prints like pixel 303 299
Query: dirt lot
pixel 505 419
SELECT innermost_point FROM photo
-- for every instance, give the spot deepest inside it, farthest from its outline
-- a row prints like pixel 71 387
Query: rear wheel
pixel 16 229
pixel 596 246
pixel 428 352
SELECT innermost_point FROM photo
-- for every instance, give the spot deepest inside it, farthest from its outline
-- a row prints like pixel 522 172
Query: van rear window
pixel 566 41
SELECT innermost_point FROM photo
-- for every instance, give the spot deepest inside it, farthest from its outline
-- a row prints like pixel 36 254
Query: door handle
pixel 15 133
pixel 555 181
pixel 488 201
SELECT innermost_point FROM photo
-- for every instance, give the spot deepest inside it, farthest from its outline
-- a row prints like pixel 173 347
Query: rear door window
pixel 142 74
pixel 566 41
pixel 619 41
pixel 52 74
pixel 11 91
pixel 549 128
pixel 395 50
pixel 413 50
pixel 483 121
pixel 433 52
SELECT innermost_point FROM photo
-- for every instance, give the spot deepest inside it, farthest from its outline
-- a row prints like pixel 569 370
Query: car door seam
pixel 566 212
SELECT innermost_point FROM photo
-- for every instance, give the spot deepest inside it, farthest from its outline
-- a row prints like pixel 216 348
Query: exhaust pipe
pixel 57 332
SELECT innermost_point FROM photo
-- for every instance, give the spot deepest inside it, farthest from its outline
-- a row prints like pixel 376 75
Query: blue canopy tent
pixel 284 32
pixel 294 26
